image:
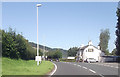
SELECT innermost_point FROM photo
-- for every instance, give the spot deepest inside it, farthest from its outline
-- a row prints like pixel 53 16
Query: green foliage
pixel 22 67
pixel 104 39
pixel 54 54
pixel 64 52
pixel 114 52
pixel 117 43
pixel 15 46
pixel 0 43
pixel 9 44
pixel 73 51
pixel 40 53
pixel 57 54
pixel 68 60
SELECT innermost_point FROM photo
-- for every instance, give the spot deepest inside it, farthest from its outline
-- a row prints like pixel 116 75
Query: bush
pixel 15 46
pixel 54 54
pixel 68 60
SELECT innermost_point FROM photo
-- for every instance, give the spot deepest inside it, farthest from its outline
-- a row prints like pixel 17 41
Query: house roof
pixel 82 48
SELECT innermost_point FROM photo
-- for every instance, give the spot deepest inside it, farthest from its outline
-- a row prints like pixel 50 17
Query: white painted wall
pixel 96 54
pixel 70 57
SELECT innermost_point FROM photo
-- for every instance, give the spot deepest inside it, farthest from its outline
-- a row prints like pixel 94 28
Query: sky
pixel 62 24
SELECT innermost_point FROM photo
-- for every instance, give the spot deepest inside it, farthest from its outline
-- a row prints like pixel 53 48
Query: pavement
pixel 87 69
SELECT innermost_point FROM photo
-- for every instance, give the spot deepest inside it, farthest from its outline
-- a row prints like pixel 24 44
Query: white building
pixel 89 51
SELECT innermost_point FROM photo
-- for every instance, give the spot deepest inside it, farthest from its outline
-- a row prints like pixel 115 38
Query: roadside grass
pixel 22 67
pixel 0 66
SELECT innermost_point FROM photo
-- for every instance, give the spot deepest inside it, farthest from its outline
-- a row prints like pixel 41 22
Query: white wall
pixel 95 54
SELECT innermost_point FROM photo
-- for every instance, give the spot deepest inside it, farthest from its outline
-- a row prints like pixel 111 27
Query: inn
pixel 90 51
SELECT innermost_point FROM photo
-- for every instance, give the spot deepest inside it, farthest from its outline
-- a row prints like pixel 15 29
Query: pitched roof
pixel 82 48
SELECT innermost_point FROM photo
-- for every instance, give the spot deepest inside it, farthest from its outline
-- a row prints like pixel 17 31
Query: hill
pixel 48 49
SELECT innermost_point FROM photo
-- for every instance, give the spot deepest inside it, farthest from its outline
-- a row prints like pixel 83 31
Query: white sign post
pixel 38 59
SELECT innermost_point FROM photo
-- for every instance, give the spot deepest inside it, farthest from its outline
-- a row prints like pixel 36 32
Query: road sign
pixel 38 58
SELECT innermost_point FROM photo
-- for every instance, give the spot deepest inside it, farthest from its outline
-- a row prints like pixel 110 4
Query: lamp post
pixel 37 57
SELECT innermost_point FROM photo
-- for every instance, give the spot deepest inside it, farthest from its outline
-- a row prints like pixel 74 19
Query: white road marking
pixel 84 67
pixel 101 75
pixel 79 65
pixel 106 65
pixel 92 71
pixel 88 69
pixel 116 67
pixel 74 64
pixel 52 73
pixel 111 66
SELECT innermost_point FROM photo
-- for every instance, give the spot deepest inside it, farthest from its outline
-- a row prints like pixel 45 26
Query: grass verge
pixel 0 66
pixel 22 67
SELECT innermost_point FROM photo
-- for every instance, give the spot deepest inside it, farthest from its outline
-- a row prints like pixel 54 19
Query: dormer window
pixel 90 50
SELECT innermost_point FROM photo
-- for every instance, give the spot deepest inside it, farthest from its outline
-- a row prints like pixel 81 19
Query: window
pixel 90 50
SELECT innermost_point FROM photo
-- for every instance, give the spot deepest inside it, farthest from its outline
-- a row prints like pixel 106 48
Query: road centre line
pixel 84 67
pixel 87 68
pixel 101 75
pixel 116 67
pixel 92 71
pixel 106 65
pixel 74 64
pixel 79 65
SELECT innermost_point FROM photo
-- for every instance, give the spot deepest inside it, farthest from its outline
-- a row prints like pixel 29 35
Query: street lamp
pixel 38 58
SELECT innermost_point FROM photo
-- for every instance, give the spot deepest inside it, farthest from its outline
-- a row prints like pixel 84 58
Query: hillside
pixel 48 49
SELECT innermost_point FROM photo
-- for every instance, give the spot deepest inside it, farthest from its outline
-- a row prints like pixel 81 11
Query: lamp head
pixel 38 5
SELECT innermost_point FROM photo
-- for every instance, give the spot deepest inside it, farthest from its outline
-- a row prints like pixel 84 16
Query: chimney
pixel 98 47
pixel 90 42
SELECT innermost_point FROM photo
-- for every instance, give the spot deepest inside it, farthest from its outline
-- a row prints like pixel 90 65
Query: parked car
pixel 91 60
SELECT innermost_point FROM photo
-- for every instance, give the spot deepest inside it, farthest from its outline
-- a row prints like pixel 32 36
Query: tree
pixel 114 52
pixel 21 46
pixel 54 54
pixel 57 54
pixel 0 43
pixel 117 43
pixel 50 54
pixel 73 51
pixel 16 46
pixel 40 52
pixel 104 39
pixel 9 44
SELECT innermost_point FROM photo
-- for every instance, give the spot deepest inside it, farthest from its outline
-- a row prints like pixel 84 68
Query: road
pixel 87 69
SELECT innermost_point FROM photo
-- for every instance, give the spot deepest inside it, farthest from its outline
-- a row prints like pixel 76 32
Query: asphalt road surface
pixel 87 69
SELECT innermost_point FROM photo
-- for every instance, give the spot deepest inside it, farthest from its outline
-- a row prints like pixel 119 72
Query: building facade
pixel 89 51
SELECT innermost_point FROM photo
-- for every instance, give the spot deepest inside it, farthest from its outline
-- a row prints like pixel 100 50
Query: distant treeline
pixel 15 46
pixel 50 51
pixel 54 54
